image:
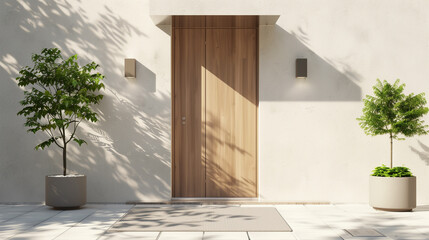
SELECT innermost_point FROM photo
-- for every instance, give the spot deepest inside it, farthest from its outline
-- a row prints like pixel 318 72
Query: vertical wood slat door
pixel 189 135
pixel 231 112
pixel 215 89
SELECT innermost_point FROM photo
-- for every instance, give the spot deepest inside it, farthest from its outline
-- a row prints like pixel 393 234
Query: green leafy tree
pixel 59 97
pixel 392 112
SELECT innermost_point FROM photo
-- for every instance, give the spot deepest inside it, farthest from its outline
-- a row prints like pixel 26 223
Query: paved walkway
pixel 312 222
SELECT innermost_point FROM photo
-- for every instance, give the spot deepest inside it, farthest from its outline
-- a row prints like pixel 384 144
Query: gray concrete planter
pixel 65 191
pixel 392 193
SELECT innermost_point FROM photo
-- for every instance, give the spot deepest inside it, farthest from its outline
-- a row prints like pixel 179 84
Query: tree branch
pixel 74 131
pixel 51 134
pixel 56 143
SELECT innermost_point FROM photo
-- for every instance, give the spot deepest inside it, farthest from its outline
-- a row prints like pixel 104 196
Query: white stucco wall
pixel 128 153
pixel 311 147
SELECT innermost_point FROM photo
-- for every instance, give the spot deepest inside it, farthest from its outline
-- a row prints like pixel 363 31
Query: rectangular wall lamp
pixel 130 68
pixel 301 68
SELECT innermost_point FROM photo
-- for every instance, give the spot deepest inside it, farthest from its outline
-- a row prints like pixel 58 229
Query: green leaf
pixel 383 171
pixel 390 111
pixel 61 93
pixel 79 141
pixel 45 144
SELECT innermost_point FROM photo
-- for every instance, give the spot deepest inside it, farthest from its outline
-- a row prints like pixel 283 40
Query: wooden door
pixel 231 112
pixel 189 135
pixel 215 106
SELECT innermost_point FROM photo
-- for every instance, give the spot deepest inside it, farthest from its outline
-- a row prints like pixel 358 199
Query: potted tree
pixel 58 97
pixel 391 112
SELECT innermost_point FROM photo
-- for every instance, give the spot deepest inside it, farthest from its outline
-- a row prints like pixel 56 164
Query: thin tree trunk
pixel 64 159
pixel 391 150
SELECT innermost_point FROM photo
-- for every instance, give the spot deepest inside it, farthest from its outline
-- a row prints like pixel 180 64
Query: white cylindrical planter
pixel 392 193
pixel 65 191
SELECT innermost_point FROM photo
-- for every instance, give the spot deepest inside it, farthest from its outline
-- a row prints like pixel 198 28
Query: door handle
pixel 183 120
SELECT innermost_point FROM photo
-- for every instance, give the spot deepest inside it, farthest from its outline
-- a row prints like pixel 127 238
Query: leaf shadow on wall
pixel 228 177
pixel 128 151
pixel 327 80
pixel 423 153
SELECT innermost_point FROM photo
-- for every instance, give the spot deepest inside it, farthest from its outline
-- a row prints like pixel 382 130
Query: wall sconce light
pixel 130 68
pixel 301 68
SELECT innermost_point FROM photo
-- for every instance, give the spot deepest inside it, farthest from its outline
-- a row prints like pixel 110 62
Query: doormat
pixel 202 219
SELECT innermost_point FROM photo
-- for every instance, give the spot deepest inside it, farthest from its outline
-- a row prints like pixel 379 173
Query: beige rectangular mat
pixel 202 219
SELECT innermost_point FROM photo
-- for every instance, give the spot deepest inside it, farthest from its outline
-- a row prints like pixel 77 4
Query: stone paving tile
pixel 323 208
pixel 24 222
pixel 129 236
pixel 181 236
pixel 358 208
pixel 225 236
pixel 102 219
pixel 424 229
pixel 19 208
pixel 364 232
pixel 271 235
pixel 81 233
pixel 304 223
pixel 46 223
pixel 5 216
pixel 316 222
pixel 291 207
pixel 296 214
pixel 257 205
pixel 343 234
pixel 40 233
pixel 370 238
pixel 402 233
pixel 346 224
pixel 317 233
pixel 55 225
pixel 411 221
pixel 317 237
pixel 167 206
pixel 110 206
